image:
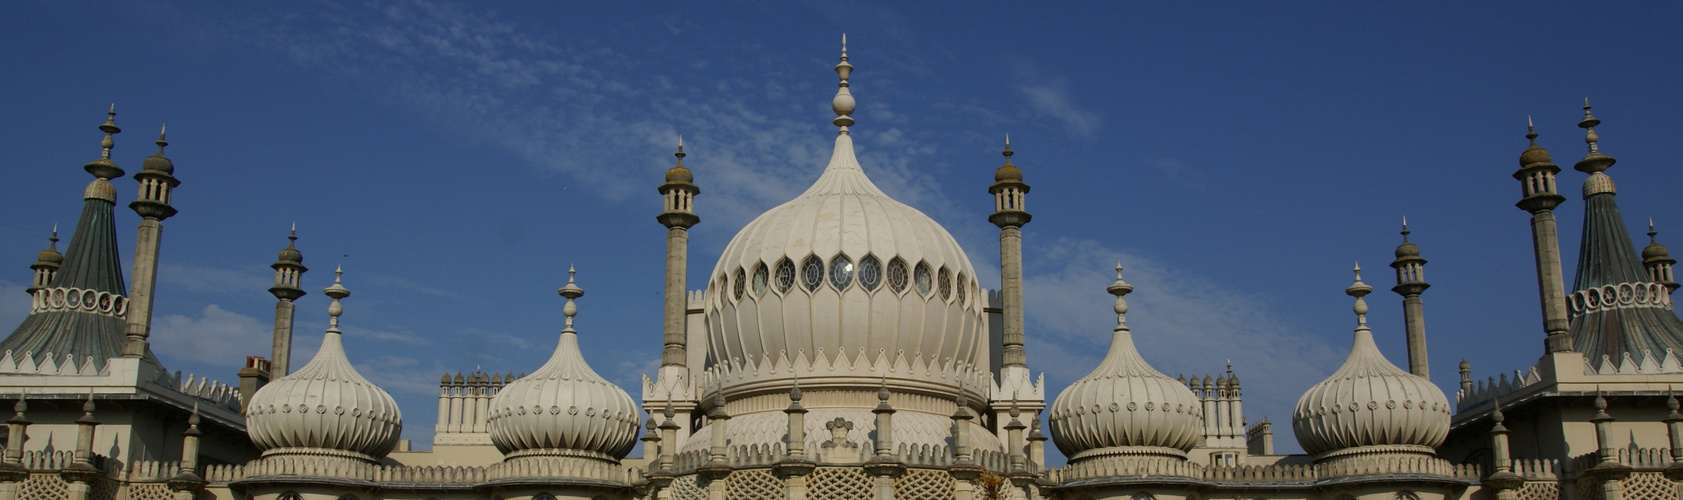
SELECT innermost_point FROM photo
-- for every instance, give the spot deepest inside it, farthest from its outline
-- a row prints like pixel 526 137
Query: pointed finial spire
pixel 680 153
pixel 1405 229
pixel 1358 290
pixel 1589 122
pixel 1594 162
pixel 1015 410
pixel 1601 405
pixel 882 391
pixel 193 421
pixel 570 291
pixel 1007 151
pixel 795 393
pixel 1671 402
pixel 52 241
pixel 161 143
pixel 109 127
pixel 1651 232
pixel 1119 289
pixel 1530 130
pixel 336 291
pixel 88 406
pixel 21 407
pixel 843 104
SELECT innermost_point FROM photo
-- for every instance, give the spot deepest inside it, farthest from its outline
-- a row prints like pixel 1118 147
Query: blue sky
pixel 1237 158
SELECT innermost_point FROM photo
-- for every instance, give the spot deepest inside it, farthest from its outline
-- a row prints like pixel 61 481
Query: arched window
pixel 812 273
pixel 962 284
pixel 870 273
pixel 761 278
pixel 785 275
pixel 921 278
pixel 740 284
pixel 946 283
pixel 898 275
pixel 841 272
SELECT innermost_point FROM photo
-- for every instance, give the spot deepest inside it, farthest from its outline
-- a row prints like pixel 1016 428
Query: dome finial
pixel 52 241
pixel 103 168
pixel 1120 288
pixel 1651 232
pixel 1530 130
pixel 336 291
pixel 843 103
pixel 1594 162
pixel 1358 290
pixel 161 144
pixel 1405 229
pixel 570 291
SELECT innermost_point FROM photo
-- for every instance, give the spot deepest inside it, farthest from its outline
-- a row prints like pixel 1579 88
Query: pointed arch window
pixel 785 275
pixel 841 271
pixel 945 279
pixel 962 284
pixel 761 279
pixel 740 284
pixel 812 273
pixel 898 275
pixel 922 279
pixel 870 273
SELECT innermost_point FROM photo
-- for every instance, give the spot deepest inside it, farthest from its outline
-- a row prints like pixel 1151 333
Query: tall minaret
pixel 289 274
pixel 677 214
pixel 46 265
pixel 156 180
pixel 1539 196
pixel 1411 282
pixel 1009 214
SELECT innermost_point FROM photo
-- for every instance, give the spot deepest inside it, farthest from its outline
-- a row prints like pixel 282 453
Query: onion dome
pixel 564 408
pixel 1533 155
pixel 326 407
pixel 844 267
pixel 1125 407
pixel 290 254
pixel 1369 406
pixel 1407 250
pixel 679 174
pixel 1653 251
pixel 1008 172
pixel 50 256
pixel 158 162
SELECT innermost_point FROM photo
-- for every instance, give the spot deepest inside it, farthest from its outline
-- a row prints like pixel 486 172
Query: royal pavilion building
pixel 841 348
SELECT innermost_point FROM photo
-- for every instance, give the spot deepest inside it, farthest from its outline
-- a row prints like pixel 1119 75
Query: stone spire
pixel 1540 197
pixel 289 274
pixel 1655 257
pixel 46 264
pixel 157 179
pixel 1411 282
pixel 1010 215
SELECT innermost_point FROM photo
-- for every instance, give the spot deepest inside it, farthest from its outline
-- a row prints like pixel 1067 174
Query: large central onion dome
pixel 326 407
pixel 1125 407
pixel 1369 406
pixel 844 268
pixel 564 408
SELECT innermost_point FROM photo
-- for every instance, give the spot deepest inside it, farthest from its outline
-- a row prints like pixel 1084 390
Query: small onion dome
pixel 564 408
pixel 1125 407
pixel 1534 155
pixel 1369 405
pixel 679 174
pixel 1407 250
pixel 158 162
pixel 51 257
pixel 1008 172
pixel 290 254
pixel 326 407
pixel 1653 251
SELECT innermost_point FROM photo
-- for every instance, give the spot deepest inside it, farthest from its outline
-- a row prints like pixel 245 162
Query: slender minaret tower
pixel 1655 257
pixel 1539 196
pixel 677 214
pixel 289 274
pixel 1411 282
pixel 46 265
pixel 157 179
pixel 1010 215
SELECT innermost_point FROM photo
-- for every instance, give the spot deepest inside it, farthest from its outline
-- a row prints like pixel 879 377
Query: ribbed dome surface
pixel 1125 407
pixel 326 405
pixel 843 266
pixel 1654 250
pixel 564 408
pixel 1369 402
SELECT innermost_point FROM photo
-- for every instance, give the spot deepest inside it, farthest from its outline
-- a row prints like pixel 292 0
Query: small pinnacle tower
pixel 1540 197
pixel 1655 257
pixel 157 179
pixel 1411 282
pixel 1009 214
pixel 46 264
pixel 843 104
pixel 289 274
pixel 677 215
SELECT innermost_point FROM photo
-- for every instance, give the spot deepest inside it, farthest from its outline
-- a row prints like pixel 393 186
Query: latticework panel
pixel 150 491
pixel 685 488
pixel 1649 486
pixel 753 484
pixel 44 487
pixel 1539 491
pixel 103 489
pixel 1588 489
pixel 924 485
pixel 839 483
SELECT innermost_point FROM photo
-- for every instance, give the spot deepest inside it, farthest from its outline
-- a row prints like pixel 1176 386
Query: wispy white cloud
pixel 1182 324
pixel 217 337
pixel 1051 97
pixel 196 278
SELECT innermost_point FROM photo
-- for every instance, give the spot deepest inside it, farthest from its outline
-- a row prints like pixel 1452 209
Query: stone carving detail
pixel 838 448
pixel 1649 486
pixel 924 484
pixel 1539 490
pixel 685 488
pixel 44 487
